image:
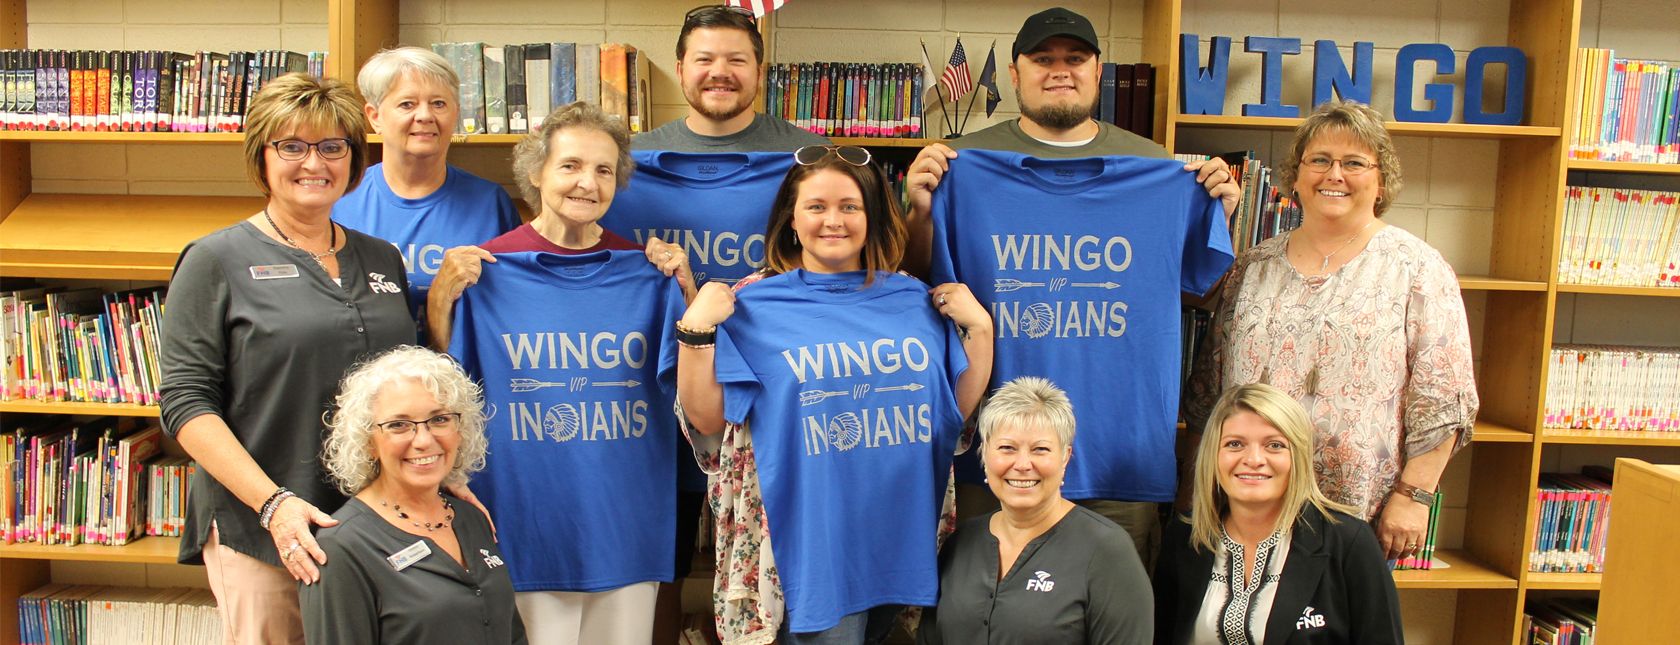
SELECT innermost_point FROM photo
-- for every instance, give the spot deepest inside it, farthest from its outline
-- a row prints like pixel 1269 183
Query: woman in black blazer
pixel 1265 557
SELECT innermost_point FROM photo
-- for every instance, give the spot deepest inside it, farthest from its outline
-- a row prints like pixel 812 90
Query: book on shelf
pixel 517 112
pixel 1626 109
pixel 1609 387
pixel 138 90
pixel 93 482
pixel 588 74
pixel 615 81
pixel 1572 522
pixel 873 100
pixel 81 345
pixel 495 90
pixel 562 82
pixel 1617 236
pixel 1560 621
pixel 61 613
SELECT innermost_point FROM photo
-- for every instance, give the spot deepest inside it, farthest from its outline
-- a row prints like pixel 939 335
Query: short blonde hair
pixel 384 69
pixel 348 453
pixel 1362 123
pixel 533 149
pixel 1208 502
pixel 1028 400
pixel 300 99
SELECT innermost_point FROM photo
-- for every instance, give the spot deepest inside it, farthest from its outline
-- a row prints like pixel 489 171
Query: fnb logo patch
pixel 1309 620
pixel 1040 582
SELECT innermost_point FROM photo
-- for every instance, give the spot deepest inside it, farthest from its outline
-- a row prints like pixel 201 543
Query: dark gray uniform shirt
pixel 765 134
pixel 255 332
pixel 1110 140
pixel 1080 582
pixel 363 599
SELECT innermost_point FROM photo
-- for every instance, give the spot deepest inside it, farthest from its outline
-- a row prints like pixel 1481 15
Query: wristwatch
pixel 1416 494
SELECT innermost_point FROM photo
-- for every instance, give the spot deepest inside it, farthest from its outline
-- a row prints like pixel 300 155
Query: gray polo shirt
pixel 1110 140
pixel 363 598
pixel 765 134
pixel 1080 582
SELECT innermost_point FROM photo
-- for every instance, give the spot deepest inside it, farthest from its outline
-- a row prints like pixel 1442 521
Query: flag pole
pixel 949 125
pixel 991 53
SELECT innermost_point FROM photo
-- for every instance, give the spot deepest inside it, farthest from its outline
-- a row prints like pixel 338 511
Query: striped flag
pixel 758 7
pixel 956 79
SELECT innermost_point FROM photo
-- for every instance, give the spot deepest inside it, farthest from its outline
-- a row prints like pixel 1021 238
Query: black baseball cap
pixel 1049 23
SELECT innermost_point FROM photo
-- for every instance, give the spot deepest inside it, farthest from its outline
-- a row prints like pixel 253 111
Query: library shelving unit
pixel 1490 572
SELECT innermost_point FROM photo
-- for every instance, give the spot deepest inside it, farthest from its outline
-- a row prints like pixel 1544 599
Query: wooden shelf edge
pixel 1625 166
pixel 1401 128
pixel 1490 432
pixel 122 137
pixel 1615 290
pixel 1490 283
pixel 1564 581
pixel 146 550
pixel 25 406
pixel 1609 437
pixel 1466 573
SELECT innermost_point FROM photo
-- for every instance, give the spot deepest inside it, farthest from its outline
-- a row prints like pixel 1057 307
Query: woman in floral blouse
pixel 1360 321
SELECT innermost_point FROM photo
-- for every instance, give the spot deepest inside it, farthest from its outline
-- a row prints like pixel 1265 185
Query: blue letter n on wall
pixel 1330 73
pixel 1203 88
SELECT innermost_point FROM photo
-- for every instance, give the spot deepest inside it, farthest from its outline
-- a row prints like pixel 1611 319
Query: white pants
pixel 622 615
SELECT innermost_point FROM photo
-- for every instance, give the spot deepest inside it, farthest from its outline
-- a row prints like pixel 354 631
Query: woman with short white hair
pixel 408 562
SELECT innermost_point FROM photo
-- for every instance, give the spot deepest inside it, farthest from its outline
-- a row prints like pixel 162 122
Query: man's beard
pixel 1058 116
pixel 745 103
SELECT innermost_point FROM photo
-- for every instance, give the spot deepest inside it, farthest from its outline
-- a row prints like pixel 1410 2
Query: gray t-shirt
pixel 765 134
pixel 1080 582
pixel 1110 140
pixel 363 598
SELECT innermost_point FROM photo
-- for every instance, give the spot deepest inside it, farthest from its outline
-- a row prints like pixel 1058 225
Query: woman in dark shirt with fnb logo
pixel 1042 569
pixel 408 563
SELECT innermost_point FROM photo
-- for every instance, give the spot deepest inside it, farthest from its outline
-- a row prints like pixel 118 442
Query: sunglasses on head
pixel 850 154
pixel 706 10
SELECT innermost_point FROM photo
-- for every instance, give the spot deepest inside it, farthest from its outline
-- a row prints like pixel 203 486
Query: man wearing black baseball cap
pixel 1056 73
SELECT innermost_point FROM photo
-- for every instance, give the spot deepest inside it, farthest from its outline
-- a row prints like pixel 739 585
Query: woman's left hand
pixel 671 260
pixel 467 496
pixel 955 301
pixel 1402 527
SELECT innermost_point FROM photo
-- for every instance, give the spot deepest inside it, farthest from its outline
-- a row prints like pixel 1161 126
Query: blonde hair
pixel 302 100
pixel 1209 504
pixel 533 149
pixel 348 454
pixel 1362 123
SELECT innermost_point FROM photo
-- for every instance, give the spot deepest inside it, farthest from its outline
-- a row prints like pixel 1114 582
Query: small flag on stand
pixel 988 80
pixel 758 7
pixel 956 79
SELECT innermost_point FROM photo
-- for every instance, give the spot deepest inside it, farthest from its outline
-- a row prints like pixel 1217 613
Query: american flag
pixel 956 79
pixel 758 7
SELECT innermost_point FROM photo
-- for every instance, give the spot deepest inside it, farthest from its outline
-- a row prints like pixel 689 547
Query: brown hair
pixel 1362 123
pixel 721 18
pixel 883 244
pixel 299 99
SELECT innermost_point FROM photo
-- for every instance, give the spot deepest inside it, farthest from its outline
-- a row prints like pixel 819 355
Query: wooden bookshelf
pixel 1490 432
pixel 1464 572
pixel 1489 283
pixel 1564 581
pixel 26 406
pixel 146 550
pixel 123 137
pixel 1625 166
pixel 1398 128
pixel 1609 437
pixel 1612 290
pixel 1639 563
pixel 130 237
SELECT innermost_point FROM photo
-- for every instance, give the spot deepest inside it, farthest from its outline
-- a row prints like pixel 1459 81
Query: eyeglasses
pixel 709 9
pixel 1350 165
pixel 442 425
pixel 297 149
pixel 854 155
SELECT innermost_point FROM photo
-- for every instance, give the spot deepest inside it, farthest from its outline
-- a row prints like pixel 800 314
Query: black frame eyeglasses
pixel 850 154
pixel 442 425
pixel 289 150
pixel 728 8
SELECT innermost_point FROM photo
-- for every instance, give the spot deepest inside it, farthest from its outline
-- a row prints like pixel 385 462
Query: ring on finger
pixel 942 300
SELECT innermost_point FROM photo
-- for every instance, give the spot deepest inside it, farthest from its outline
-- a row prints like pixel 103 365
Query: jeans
pixel 868 627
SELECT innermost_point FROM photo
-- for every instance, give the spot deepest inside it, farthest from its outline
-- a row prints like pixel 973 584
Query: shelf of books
pixel 1610 437
pixel 1462 571
pixel 1615 290
pixel 1564 581
pixel 132 237
pixel 146 550
pixel 1625 166
pixel 1398 128
pixel 46 136
pixel 29 406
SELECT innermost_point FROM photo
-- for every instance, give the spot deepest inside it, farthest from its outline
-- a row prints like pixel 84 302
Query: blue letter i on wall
pixel 1271 75
pixel 1203 88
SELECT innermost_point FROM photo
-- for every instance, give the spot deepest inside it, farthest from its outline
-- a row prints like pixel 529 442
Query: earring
pixel 796 241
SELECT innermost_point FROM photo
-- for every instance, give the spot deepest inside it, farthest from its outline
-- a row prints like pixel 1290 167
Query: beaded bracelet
pixel 273 504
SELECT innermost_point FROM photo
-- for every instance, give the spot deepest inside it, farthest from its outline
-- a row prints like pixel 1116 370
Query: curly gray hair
pixel 347 454
pixel 532 151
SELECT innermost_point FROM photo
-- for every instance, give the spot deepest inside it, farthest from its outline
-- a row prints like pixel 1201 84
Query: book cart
pixel 138 237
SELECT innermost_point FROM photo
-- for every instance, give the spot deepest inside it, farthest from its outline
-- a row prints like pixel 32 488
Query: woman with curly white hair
pixel 407 562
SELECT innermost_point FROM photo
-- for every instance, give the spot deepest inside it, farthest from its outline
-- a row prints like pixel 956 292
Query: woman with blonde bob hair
pixel 1265 556
pixel 406 424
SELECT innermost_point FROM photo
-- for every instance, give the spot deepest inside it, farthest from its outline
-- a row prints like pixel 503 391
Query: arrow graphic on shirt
pixel 528 385
pixel 812 397
pixel 625 383
pixel 913 387
pixel 1006 285
pixel 1097 285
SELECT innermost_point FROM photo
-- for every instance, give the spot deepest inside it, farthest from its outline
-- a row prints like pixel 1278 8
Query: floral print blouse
pixel 1378 352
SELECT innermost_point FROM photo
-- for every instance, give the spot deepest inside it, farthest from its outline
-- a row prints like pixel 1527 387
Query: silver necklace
pixel 1325 266
pixel 332 240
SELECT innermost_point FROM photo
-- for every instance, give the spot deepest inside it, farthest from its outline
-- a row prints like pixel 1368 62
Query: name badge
pixel 407 557
pixel 274 272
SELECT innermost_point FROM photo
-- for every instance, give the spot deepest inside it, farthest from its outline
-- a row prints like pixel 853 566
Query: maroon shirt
pixel 526 238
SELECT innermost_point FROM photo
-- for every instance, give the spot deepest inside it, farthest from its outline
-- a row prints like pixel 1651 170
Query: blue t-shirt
pixel 1081 262
pixel 578 370
pixel 465 210
pixel 849 393
pixel 714 205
